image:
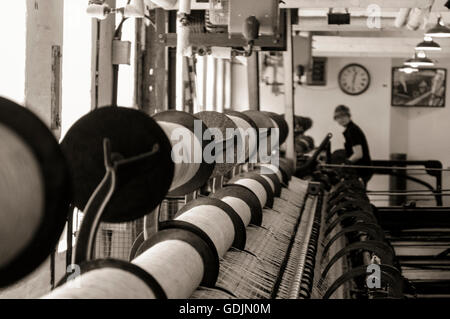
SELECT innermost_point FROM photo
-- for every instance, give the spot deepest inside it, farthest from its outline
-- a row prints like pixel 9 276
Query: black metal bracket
pixel 96 206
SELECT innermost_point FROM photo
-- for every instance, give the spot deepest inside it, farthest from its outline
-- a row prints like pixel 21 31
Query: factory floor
pixel 37 283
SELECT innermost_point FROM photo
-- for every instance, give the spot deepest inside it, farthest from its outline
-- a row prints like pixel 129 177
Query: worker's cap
pixel 341 110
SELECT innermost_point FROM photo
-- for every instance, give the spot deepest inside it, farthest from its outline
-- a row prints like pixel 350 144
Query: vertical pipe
pixel 202 73
pixel 227 89
pixel 182 46
pixel 289 89
pixel 220 105
pixel 211 85
pixel 253 81
pixel 180 89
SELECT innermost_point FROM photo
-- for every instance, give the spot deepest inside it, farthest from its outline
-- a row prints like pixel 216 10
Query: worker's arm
pixel 357 154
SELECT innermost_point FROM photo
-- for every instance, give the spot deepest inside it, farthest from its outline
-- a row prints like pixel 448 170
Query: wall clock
pixel 354 79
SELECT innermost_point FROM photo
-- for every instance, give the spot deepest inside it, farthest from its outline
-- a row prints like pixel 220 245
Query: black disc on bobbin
pixel 247 119
pixel 265 124
pixel 56 192
pixel 274 178
pixel 282 125
pixel 240 233
pixel 243 116
pixel 210 260
pixel 259 179
pixel 141 186
pixel 262 120
pixel 137 271
pixel 247 196
pixel 216 120
pixel 203 174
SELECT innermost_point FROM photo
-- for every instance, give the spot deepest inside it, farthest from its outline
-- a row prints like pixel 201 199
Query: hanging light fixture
pixel 428 45
pixel 419 60
pixel 439 30
pixel 408 70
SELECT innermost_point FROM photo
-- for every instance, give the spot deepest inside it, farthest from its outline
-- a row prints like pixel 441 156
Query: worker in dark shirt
pixel 356 147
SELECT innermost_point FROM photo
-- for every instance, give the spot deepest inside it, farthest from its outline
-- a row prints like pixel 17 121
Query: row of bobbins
pixel 193 238
pixel 185 253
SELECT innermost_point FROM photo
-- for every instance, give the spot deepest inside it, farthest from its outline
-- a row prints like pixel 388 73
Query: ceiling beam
pixel 356 3
pixel 353 46
pixel 357 24
pixel 370 34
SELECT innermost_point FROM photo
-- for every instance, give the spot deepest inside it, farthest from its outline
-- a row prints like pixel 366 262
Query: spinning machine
pixel 258 233
pixel 251 221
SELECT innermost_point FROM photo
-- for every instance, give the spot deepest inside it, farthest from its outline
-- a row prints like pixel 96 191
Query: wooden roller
pixel 34 192
pixel 191 171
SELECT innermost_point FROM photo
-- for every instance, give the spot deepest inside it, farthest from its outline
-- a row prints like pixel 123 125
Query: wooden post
pixel 103 34
pixel 289 93
pixel 44 39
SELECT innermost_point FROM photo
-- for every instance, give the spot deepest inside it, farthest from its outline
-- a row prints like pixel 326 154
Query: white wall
pixel 423 133
pixel 44 29
pixel 12 56
pixel 76 72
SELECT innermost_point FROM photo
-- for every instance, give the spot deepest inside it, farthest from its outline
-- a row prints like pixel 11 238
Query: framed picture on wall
pixel 418 87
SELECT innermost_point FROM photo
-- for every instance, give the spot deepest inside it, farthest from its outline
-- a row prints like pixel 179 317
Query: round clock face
pixel 354 79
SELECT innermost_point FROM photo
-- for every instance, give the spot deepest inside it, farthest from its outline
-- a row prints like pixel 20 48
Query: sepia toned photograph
pixel 419 87
pixel 224 158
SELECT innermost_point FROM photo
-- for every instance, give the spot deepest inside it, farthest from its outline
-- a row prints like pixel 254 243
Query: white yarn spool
pixel 21 195
pixel 241 208
pixel 269 168
pixel 175 265
pixel 185 160
pixel 215 223
pixel 256 188
pixel 272 185
pixel 103 283
pixel 251 144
